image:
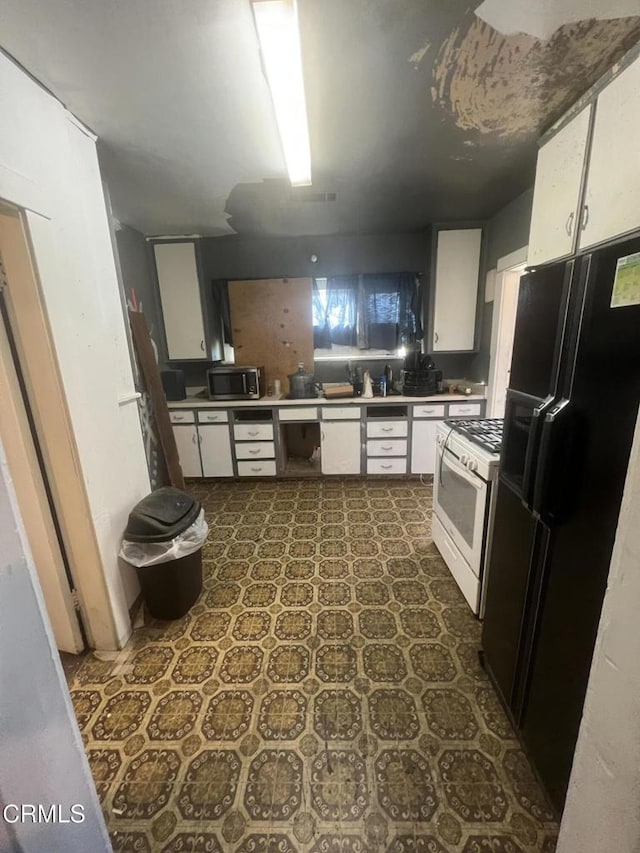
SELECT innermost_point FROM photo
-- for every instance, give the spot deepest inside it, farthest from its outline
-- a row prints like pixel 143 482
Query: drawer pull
pixel 178 417
pixel 387 447
pixel 387 429
pixel 255 452
pixel 386 466
pixel 212 417
pixel 253 432
pixel 257 470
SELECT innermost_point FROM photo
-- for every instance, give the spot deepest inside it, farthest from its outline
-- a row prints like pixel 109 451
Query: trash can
pixel 163 541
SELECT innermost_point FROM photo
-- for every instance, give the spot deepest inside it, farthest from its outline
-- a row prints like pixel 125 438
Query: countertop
pixel 192 402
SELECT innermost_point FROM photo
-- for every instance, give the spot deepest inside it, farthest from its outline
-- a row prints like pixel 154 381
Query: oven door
pixel 460 502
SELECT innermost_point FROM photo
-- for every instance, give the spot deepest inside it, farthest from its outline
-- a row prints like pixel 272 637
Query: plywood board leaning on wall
pixel 272 325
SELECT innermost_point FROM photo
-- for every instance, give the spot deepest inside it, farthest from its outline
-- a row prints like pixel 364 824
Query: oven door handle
pixel 455 465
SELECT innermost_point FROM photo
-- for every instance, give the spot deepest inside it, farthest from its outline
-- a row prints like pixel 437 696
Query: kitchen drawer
pixel 299 413
pixel 257 469
pixel 341 413
pixel 253 432
pixel 213 416
pixel 386 429
pixel 181 416
pixel 387 466
pixel 467 410
pixel 255 450
pixel 382 447
pixel 426 410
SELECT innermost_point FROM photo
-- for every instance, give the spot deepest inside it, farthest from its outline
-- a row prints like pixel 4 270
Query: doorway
pixel 25 355
pixel 509 270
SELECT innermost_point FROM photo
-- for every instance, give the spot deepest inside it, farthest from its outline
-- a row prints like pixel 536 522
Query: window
pixel 375 314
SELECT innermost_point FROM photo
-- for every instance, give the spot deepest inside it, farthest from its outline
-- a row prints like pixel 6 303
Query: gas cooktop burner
pixel 486 432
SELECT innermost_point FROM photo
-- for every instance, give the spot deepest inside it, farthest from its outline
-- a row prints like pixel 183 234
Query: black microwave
pixel 235 383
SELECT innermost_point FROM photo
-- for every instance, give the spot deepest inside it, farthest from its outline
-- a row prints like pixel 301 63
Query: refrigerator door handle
pixel 554 427
pixel 531 457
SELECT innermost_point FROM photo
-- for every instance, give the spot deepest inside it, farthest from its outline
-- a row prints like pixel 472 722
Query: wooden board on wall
pixel 272 325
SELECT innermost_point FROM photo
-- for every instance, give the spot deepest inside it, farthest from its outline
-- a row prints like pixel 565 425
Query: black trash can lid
pixel 161 516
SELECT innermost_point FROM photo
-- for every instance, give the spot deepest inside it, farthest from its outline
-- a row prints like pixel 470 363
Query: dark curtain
pixel 367 311
pixel 335 315
pixel 392 309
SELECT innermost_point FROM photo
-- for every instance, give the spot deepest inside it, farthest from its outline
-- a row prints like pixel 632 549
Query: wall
pixel 48 165
pixel 141 293
pixel 507 231
pixel 601 811
pixel 238 257
pixel 42 758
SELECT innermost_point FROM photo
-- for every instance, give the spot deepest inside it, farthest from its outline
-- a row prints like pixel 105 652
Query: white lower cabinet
pixel 188 449
pixel 423 447
pixel 340 448
pixel 215 449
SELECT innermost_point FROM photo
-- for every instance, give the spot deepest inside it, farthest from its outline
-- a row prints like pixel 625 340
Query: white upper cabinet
pixel 556 196
pixel 179 285
pixel 612 198
pixel 455 297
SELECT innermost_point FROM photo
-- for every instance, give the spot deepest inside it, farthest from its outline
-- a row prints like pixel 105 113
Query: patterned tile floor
pixel 323 696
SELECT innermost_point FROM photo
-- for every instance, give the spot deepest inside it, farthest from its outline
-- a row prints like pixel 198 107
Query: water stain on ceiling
pixel 511 87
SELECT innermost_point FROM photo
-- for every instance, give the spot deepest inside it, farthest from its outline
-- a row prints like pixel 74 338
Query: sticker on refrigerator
pixel 626 282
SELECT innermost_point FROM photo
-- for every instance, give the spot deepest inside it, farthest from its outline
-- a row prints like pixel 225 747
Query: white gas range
pixel 467 459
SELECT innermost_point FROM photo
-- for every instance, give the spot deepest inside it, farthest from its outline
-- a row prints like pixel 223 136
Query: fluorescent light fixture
pixel 277 27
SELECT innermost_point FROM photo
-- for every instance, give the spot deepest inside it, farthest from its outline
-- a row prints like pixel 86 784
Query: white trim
pixel 513 259
pixel 503 318
pixel 83 127
pixel 129 397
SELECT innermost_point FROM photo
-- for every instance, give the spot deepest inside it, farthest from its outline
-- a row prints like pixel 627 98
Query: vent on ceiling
pixel 303 194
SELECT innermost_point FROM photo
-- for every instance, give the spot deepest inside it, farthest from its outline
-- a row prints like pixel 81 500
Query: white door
pixel 34 506
pixel 423 447
pixel 456 289
pixel 612 205
pixel 340 448
pixel 180 296
pixel 188 449
pixel 557 191
pixel 215 450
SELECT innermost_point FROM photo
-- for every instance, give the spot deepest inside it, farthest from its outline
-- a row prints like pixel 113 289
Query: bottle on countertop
pixel 367 387
pixel 383 386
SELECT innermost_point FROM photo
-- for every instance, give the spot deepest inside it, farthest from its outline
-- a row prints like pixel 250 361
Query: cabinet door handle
pixel 435 337
pixel 585 217
pixel 193 438
pixel 199 439
pixel 569 223
pixel 255 452
pixel 202 345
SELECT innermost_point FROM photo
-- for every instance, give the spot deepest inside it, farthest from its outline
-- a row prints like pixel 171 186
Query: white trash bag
pixel 141 554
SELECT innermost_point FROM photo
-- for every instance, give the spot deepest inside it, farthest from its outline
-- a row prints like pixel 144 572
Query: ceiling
pixel 419 110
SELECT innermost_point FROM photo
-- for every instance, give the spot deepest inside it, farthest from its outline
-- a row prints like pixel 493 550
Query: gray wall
pixel 135 266
pixel 239 257
pixel 42 758
pixel 507 231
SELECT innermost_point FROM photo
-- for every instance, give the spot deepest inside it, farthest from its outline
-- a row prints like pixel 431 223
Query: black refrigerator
pixel 570 415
